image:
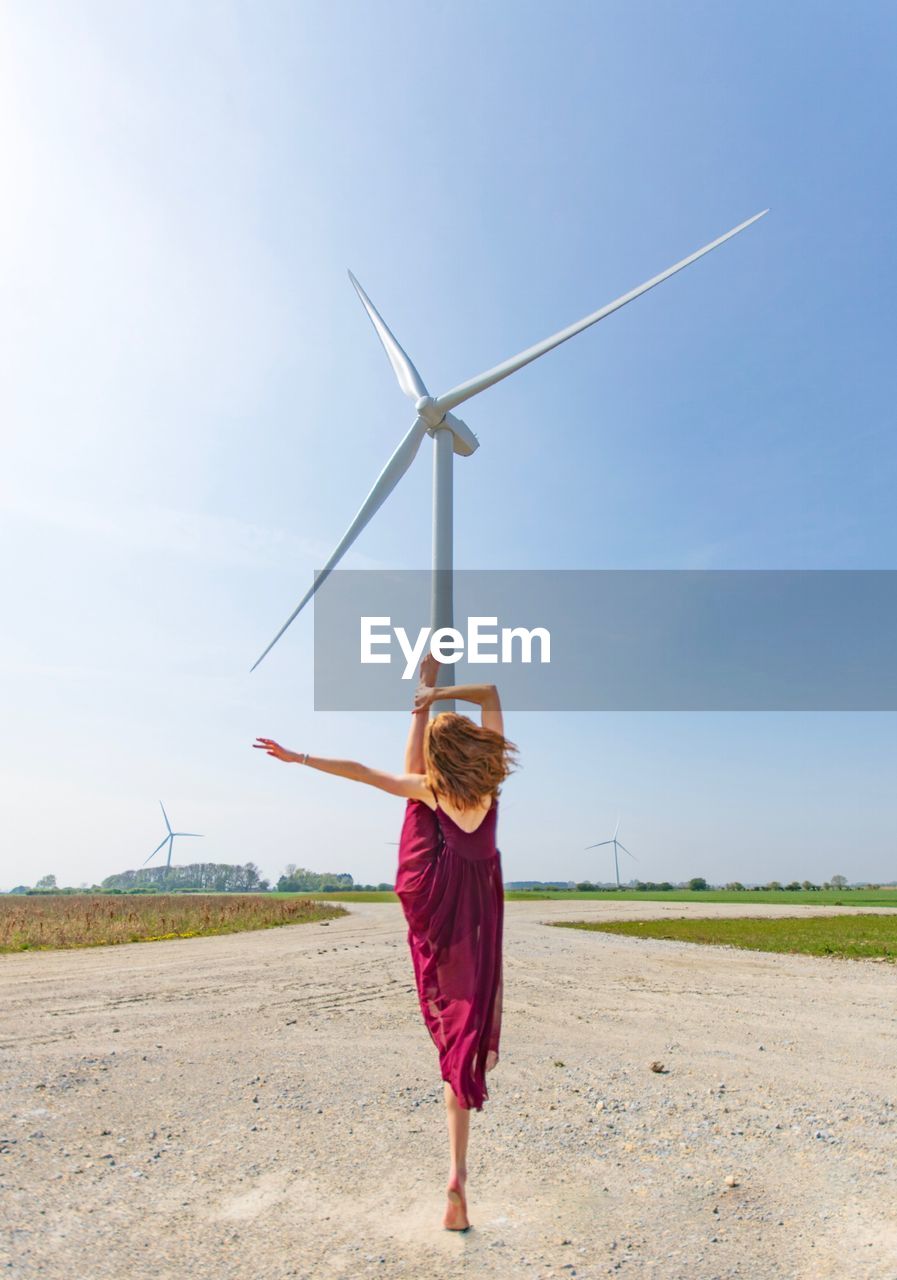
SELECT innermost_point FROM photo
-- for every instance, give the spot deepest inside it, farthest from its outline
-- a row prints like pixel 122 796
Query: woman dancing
pixel 449 883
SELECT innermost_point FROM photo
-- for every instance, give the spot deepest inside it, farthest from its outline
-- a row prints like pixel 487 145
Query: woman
pixel 450 885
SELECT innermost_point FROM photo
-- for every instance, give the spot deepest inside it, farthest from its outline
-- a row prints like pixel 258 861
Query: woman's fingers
pixel 423 695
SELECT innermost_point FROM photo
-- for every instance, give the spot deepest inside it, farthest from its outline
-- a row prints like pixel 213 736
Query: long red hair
pixel 465 762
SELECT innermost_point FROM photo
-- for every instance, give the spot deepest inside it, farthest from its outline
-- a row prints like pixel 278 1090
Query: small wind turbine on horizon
pixel 169 839
pixel 617 845
pixel 450 436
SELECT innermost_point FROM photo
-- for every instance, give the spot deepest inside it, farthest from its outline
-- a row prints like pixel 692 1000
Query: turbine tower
pixel 169 839
pixel 617 845
pixel 450 436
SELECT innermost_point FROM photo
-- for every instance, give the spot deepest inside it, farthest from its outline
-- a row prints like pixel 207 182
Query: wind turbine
pixel 617 845
pixel 450 435
pixel 169 839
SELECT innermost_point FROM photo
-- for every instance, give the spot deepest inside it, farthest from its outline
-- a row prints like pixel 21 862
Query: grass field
pixel 783 897
pixel 93 920
pixel 363 895
pixel 855 937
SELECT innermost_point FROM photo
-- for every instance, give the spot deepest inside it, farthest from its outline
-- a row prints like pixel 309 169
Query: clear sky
pixel 193 404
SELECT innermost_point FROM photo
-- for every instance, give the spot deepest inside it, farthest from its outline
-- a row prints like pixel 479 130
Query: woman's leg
pixel 458 1120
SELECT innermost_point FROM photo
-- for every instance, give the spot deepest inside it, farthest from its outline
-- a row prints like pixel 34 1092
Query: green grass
pixel 363 895
pixel 783 897
pixel 855 937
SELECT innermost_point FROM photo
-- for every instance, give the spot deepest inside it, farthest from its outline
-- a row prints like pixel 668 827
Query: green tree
pixel 839 882
pixel 304 881
pixel 697 884
pixel 46 882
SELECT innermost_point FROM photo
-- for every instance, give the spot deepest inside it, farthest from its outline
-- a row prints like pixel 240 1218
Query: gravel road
pixel 268 1105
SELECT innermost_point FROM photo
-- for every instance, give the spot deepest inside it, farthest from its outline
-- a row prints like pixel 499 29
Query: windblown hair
pixel 465 762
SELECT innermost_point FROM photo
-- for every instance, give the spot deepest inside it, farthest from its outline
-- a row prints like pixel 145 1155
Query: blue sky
pixel 193 403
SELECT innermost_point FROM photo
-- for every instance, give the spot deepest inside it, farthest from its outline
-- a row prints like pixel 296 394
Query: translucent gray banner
pixel 619 640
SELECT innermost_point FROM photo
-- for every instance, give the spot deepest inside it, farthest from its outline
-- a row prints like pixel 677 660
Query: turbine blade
pixel 599 844
pixel 155 851
pixel 408 377
pixel 625 850
pixel 389 477
pixel 165 816
pixel 474 386
pixel 187 833
pixel 616 829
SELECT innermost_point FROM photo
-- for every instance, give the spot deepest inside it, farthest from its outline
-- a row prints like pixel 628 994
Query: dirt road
pixel 268 1105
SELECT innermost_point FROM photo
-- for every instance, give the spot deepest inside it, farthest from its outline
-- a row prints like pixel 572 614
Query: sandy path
pixel 268 1105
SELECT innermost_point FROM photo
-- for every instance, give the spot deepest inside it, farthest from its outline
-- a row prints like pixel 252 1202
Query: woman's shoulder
pixel 423 801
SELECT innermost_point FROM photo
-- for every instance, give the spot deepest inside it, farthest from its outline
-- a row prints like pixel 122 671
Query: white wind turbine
pixel 617 845
pixel 169 839
pixel 450 436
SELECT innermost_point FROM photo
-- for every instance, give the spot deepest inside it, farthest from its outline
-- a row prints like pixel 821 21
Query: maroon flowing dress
pixel 450 885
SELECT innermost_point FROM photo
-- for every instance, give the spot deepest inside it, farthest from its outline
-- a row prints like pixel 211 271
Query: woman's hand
pixel 425 694
pixel 424 697
pixel 276 750
pixel 429 670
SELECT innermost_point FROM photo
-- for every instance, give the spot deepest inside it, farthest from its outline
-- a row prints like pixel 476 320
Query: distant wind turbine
pixel 169 839
pixel 450 435
pixel 617 845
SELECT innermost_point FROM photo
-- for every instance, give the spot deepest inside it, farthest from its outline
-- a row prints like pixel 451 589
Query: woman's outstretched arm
pixel 412 785
pixel 484 694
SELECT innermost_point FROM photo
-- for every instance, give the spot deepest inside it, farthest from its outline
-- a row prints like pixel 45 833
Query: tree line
pixel 698 884
pixel 222 877
pixel 208 877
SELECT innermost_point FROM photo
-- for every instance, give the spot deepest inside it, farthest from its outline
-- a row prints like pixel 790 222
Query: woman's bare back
pixel 467 819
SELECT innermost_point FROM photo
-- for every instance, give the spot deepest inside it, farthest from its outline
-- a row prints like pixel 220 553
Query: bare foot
pixel 456 1210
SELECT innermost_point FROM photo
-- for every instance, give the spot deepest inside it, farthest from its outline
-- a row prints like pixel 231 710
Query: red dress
pixel 450 885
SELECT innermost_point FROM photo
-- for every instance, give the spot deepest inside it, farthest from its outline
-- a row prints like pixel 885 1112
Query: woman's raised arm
pixel 414 747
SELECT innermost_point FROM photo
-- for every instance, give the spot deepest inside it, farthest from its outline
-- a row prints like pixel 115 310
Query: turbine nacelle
pixel 464 442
